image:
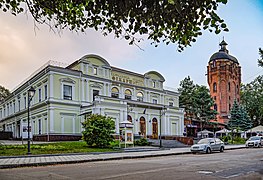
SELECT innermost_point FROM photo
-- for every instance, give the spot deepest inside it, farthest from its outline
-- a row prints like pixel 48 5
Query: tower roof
pixel 223 54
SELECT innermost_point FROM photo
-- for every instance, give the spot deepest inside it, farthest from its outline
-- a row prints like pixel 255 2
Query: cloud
pixel 25 47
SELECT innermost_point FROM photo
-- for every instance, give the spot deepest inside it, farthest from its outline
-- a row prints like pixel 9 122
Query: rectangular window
pixel 128 97
pixel 154 101
pixel 14 104
pixel 25 101
pixel 171 104
pixel 39 95
pixel 115 95
pixel 18 105
pixel 39 126
pixel 45 91
pixel 95 71
pixel 140 99
pixel 95 93
pixel 67 92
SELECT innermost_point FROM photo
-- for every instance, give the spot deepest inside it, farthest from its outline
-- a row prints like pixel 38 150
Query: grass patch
pixel 50 148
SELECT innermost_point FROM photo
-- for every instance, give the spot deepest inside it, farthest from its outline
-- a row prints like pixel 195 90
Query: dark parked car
pixel 208 145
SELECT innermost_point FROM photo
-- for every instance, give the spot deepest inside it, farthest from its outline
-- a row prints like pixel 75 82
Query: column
pixel 51 120
pixel 51 85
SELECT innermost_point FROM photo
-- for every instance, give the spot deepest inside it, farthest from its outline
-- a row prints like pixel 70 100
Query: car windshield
pixel 203 141
pixel 254 138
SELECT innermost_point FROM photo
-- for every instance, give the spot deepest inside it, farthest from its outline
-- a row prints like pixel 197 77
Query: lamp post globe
pixel 30 94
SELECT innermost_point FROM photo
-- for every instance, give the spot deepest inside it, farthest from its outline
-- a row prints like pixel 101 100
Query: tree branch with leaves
pixel 167 21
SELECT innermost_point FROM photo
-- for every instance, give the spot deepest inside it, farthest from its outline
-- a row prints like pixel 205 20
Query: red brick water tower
pixel 224 78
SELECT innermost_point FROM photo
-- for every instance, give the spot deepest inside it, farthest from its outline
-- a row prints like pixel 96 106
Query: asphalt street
pixel 232 164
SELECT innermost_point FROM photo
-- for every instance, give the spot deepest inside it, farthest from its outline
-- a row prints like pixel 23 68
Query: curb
pixel 95 159
pixel 89 160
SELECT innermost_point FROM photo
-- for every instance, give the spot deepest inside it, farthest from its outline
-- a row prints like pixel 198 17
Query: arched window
pixel 215 107
pixel 139 96
pixel 129 118
pixel 229 86
pixel 128 94
pixel 115 92
pixel 214 87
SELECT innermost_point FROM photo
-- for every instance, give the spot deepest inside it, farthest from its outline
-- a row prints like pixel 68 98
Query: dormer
pixel 92 65
pixel 154 80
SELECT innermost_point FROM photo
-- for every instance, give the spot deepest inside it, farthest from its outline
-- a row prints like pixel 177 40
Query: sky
pixel 26 46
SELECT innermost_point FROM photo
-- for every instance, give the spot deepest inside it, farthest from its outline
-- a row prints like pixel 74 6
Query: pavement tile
pixel 12 162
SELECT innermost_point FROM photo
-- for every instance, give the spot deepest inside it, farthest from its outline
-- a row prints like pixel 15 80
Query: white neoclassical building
pixel 64 95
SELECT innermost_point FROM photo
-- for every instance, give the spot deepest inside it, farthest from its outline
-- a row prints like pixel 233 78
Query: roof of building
pixel 223 54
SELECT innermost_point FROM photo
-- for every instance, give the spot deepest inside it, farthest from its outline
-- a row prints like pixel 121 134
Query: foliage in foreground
pixel 98 130
pixel 3 93
pixel 260 61
pixel 168 21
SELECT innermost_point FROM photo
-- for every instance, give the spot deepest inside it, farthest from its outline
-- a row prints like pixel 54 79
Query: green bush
pixel 141 142
pixel 98 130
pixel 239 140
pixel 225 138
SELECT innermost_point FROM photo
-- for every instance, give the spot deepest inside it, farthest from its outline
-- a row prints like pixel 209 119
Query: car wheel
pixel 222 149
pixel 208 150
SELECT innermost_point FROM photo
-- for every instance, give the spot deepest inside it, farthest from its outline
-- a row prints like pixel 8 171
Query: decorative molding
pixel 67 80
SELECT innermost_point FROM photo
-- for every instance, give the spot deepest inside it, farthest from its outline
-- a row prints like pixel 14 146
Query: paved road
pixel 234 164
pixel 36 160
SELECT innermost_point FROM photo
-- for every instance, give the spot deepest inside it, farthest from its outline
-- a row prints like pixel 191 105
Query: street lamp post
pixel 163 111
pixel 232 133
pixel 30 94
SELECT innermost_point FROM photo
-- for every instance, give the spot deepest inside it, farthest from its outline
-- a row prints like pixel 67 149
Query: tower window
pixel 214 87
pixel 229 88
pixel 215 107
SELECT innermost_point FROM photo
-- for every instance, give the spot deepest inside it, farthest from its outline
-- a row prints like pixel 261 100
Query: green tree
pixel 235 119
pixel 186 90
pixel 98 130
pixel 196 99
pixel 260 61
pixel 251 96
pixel 240 119
pixel 168 21
pixel 246 122
pixel 203 104
pixel 3 93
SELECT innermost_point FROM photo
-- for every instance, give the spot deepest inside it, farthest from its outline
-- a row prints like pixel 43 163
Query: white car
pixel 255 141
pixel 208 145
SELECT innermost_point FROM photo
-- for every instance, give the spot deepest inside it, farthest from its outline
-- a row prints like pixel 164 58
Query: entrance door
pixel 154 128
pixel 142 126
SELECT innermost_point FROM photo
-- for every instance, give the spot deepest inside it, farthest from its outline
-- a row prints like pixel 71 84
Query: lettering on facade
pixel 127 79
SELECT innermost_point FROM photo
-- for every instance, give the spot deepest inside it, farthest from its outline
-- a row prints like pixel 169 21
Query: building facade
pixel 224 78
pixel 64 95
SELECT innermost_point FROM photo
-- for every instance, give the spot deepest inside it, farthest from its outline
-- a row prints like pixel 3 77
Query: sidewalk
pixel 131 153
